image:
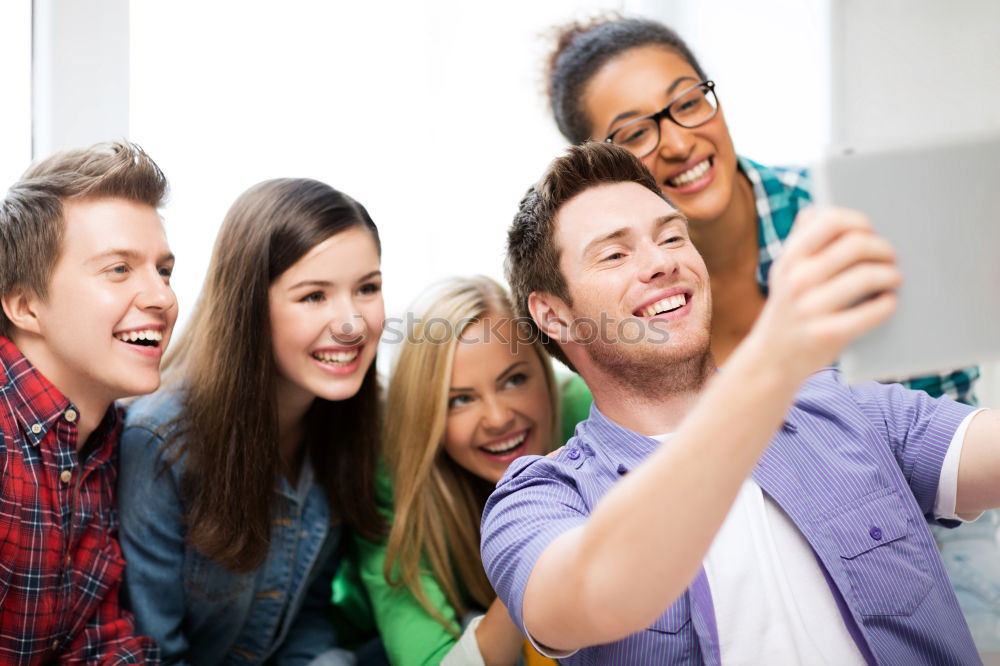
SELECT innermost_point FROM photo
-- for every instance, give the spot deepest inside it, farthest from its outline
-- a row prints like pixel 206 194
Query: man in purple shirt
pixel 766 513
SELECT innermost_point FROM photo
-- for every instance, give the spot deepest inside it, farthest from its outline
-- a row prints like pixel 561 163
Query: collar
pixel 621 449
pixel 35 402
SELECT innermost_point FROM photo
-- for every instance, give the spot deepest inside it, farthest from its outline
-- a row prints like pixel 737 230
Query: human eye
pixel 370 288
pixel 612 256
pixel 118 271
pixel 165 272
pixel 459 400
pixel 313 297
pixel 515 380
pixel 688 103
pixel 630 135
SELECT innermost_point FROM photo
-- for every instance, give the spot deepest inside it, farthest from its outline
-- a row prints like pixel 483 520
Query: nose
pixel 497 416
pixel 655 261
pixel 156 293
pixel 346 322
pixel 675 141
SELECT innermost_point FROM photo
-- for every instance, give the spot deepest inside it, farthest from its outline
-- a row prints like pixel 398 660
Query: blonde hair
pixel 438 504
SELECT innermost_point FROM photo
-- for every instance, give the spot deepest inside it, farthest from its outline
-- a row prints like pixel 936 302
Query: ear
pixel 21 309
pixel 551 315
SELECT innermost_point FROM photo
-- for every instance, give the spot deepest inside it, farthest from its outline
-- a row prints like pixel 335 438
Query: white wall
pixel 429 113
pixel 80 73
pixel 15 75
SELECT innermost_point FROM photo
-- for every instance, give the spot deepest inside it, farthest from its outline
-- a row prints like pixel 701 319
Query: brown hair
pixel 532 263
pixel 31 214
pixel 582 49
pixel 228 431
pixel 438 504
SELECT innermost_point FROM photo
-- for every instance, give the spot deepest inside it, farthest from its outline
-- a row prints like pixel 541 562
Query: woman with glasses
pixel 635 83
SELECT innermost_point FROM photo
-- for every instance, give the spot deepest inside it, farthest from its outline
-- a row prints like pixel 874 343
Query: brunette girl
pixel 237 477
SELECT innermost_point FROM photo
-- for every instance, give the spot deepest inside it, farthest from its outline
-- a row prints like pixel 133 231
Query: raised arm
pixel 979 467
pixel 617 572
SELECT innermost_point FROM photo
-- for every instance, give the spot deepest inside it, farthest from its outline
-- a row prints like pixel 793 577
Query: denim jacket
pixel 199 612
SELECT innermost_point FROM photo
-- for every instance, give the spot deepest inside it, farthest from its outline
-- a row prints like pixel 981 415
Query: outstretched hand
pixel 835 280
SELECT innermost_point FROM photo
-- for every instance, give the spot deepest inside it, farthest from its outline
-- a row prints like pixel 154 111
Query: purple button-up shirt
pixel 855 468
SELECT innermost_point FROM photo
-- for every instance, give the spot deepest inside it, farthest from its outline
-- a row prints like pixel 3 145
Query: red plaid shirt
pixel 60 563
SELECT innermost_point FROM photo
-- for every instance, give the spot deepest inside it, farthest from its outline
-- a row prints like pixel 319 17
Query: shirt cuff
pixel 947 490
pixel 466 651
pixel 547 651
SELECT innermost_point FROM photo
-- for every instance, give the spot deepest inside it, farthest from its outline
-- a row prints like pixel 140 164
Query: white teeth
pixel 335 358
pixel 506 446
pixel 151 335
pixel 665 305
pixel 691 175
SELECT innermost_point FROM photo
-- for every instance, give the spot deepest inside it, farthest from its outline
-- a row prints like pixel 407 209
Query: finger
pixel 850 287
pixel 847 250
pixel 846 325
pixel 814 228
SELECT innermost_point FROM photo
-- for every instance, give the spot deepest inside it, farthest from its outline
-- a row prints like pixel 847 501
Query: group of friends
pixel 707 491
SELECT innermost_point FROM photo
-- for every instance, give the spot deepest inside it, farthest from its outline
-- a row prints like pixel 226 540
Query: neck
pixel 292 406
pixel 723 240
pixel 89 402
pixel 656 405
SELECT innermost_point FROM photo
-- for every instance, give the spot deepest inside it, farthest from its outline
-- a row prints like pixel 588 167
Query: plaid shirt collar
pixel 35 402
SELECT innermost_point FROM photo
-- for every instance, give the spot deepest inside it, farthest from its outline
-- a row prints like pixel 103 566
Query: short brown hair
pixel 31 214
pixel 532 256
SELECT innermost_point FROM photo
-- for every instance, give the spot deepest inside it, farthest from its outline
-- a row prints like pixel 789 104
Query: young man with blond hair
pixel 764 513
pixel 87 311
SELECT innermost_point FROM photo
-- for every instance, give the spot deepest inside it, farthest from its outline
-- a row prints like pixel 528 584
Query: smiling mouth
pixel 337 359
pixel 502 447
pixel 664 305
pixel 146 338
pixel 691 175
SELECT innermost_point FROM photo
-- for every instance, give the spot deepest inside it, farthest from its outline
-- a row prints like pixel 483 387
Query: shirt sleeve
pixel 466 650
pixel 534 503
pixel 919 430
pixel 947 494
pixel 152 538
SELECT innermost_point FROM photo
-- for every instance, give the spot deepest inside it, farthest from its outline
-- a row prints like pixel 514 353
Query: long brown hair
pixel 438 504
pixel 225 365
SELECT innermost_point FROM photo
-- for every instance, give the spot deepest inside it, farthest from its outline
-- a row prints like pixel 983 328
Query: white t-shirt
pixel 771 600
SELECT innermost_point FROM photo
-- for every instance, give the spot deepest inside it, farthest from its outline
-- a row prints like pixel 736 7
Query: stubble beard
pixel 639 371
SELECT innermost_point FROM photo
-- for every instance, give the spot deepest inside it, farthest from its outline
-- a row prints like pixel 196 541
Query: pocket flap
pixel 872 524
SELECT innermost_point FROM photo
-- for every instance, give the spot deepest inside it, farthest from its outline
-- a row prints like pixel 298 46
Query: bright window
pixel 15 112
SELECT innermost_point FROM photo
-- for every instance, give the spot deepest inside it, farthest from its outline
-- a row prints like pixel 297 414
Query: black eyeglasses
pixel 693 107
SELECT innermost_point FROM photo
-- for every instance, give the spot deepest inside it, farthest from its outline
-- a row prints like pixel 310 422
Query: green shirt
pixel 410 635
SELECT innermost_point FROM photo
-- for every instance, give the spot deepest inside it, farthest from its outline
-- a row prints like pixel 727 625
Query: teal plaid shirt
pixel 780 192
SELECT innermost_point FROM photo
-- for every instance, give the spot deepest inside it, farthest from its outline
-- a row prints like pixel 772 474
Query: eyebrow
pixel 631 114
pixel 129 254
pixel 327 283
pixel 624 231
pixel 463 389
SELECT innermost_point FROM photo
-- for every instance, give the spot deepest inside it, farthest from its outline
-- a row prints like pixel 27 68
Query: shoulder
pixel 155 411
pixel 150 422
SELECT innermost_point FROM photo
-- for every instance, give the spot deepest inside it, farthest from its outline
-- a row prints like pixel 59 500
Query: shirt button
pixel 875 533
pixel 55 644
pixel 65 476
pixel 36 428
pixel 70 415
pixel 573 454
